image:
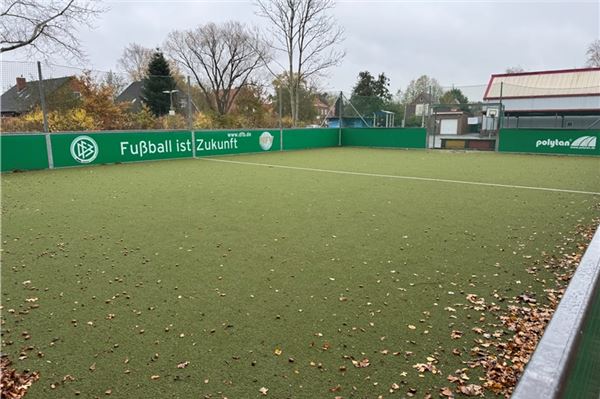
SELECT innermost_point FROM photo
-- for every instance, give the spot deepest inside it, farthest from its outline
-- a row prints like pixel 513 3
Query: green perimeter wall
pixel 28 151
pixel 550 141
pixel 385 137
pixel 297 139
pixel 23 152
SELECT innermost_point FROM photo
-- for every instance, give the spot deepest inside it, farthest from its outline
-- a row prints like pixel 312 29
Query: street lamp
pixel 170 93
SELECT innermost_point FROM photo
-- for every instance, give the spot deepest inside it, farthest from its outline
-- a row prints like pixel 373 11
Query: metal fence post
pixel 280 117
pixel 500 117
pixel 341 102
pixel 193 144
pixel 49 151
pixel 42 97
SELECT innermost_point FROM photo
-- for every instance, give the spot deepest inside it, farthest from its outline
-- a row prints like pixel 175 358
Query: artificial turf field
pixel 272 277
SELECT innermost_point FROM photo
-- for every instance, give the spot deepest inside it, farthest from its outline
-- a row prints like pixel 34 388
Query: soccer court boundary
pixel 429 179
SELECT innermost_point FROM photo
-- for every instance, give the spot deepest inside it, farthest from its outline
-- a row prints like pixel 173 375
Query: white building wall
pixel 551 103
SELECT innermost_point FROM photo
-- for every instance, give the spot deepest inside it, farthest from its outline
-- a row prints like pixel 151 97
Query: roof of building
pixel 131 92
pixel 132 95
pixel 556 83
pixel 18 102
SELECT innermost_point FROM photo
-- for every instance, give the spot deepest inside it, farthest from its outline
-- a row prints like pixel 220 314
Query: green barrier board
pixel 296 139
pixel 98 148
pixel 550 141
pixel 235 141
pixel 23 152
pixel 385 137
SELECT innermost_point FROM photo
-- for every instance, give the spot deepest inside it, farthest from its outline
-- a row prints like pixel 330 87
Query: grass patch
pixel 266 277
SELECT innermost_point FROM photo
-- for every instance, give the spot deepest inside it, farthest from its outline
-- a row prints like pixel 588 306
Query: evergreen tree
pixel 370 94
pixel 158 80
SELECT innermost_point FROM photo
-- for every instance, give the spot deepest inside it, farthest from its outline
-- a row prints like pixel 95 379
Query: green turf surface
pixel 137 268
pixel 584 379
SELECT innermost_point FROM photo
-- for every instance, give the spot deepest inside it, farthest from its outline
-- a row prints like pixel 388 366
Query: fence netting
pixel 71 98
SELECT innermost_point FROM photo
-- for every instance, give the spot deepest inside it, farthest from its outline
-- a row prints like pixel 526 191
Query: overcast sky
pixel 457 42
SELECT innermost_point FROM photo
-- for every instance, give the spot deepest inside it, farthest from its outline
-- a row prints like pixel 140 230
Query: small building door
pixel 449 126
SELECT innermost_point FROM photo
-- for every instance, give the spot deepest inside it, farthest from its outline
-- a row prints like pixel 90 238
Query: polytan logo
pixel 84 149
pixel 266 141
pixel 584 143
pixel 580 143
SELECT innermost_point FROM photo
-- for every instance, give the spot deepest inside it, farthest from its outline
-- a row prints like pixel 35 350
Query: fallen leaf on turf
pixel 277 351
pixel 183 365
pixel 263 391
pixel 474 299
pixel 447 392
pixel 336 388
pixel 456 334
pixel 412 327
pixel 155 377
pixel 471 390
pixel 14 384
pixel 93 367
pixel 361 364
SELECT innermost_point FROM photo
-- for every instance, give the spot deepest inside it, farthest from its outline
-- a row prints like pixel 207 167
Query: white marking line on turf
pixel 342 172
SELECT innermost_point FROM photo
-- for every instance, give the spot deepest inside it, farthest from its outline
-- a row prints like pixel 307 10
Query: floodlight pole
pixel 170 93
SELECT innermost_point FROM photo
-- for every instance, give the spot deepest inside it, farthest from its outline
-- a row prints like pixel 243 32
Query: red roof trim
pixel 547 72
pixel 564 111
pixel 489 86
pixel 543 96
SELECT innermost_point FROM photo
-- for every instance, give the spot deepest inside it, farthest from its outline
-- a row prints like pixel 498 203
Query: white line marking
pixel 342 172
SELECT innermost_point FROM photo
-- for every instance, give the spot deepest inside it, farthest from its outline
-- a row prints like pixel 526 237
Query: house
pixel 566 98
pixel 132 95
pixel 451 121
pixel 25 96
pixel 419 105
pixel 321 107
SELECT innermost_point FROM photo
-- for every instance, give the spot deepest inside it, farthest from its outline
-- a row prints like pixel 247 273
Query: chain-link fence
pixel 41 96
pixel 69 98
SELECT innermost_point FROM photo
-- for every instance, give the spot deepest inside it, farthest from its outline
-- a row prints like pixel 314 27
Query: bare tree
pixel 134 60
pixel 222 59
pixel 593 54
pixel 115 81
pixel 305 32
pixel 46 26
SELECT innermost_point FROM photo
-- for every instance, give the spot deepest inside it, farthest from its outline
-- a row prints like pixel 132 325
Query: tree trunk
pixel 292 89
pixel 297 99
